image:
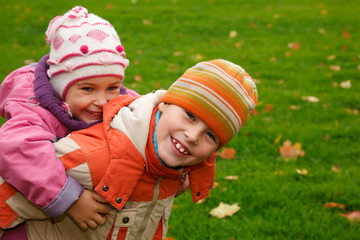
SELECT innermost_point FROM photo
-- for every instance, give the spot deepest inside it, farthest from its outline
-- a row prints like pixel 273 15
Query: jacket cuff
pixel 66 197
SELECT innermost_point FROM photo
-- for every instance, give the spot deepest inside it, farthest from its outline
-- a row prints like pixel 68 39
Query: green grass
pixel 287 206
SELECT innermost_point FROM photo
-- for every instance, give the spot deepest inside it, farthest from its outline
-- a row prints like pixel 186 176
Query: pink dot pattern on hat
pixel 82 45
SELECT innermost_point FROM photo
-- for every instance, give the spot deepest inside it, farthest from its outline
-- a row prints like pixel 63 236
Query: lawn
pixel 305 59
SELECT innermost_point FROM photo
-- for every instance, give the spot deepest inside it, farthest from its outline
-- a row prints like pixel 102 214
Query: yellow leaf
pixel 331 57
pixel 302 171
pixel 346 84
pixel 276 141
pixel 232 178
pixel 310 99
pixel 233 34
pixel 224 210
pixel 335 168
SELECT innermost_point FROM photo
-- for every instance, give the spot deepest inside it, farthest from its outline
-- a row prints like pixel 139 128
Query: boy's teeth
pixel 178 146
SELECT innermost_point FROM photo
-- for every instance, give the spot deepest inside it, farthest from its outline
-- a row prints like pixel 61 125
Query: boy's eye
pixel 211 135
pixel 190 115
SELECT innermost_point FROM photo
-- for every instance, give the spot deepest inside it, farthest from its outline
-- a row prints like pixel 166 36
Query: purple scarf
pixel 51 101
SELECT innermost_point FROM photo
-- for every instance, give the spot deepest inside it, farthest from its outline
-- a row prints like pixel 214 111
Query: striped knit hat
pixel 219 92
pixel 83 45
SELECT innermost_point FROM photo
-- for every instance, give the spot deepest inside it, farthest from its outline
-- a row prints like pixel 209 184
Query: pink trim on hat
pixel 52 74
pixel 75 54
pixel 77 26
pixel 87 77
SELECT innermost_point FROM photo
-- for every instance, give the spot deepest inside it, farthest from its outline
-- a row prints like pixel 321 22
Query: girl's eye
pixel 113 88
pixel 87 89
pixel 190 115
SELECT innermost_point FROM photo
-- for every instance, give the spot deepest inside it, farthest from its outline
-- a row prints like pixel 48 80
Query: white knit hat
pixel 82 46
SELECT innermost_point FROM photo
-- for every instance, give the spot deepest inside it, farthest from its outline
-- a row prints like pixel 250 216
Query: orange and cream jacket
pixel 117 159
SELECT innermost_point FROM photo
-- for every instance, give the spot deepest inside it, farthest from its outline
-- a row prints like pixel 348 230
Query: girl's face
pixel 182 138
pixel 86 98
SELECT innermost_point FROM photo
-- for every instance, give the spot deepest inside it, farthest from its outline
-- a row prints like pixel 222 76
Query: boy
pixel 137 158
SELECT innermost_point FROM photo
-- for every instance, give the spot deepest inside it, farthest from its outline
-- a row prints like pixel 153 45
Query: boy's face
pixel 87 97
pixel 182 138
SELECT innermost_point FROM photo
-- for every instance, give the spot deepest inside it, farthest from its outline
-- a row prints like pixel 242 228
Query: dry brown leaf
pixel 169 238
pixel 335 205
pixel 352 111
pixel 336 169
pixel 294 46
pixel 352 216
pixel 289 151
pixel 268 108
pixel 238 45
pixel 280 172
pixel 346 33
pixel 227 153
pixel 224 210
pixel 138 78
pixel 334 68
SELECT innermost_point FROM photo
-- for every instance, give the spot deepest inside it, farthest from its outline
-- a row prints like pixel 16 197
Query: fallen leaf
pixel 233 34
pixel 294 107
pixel 324 12
pixel 178 53
pixel 346 84
pixel 346 33
pixel 302 171
pixel 238 45
pixel 232 178
pixel 109 6
pixel 227 153
pixel 268 108
pixel 310 99
pixel 352 111
pixel 280 172
pixel 197 57
pixel 224 210
pixel 352 216
pixel 138 78
pixel 336 169
pixel 28 61
pixel 169 238
pixel 147 22
pixel 277 140
pixel 334 68
pixel 294 46
pixel 335 205
pixel 287 151
pixel 331 57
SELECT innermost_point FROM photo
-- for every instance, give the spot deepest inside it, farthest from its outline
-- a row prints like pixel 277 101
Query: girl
pixel 43 102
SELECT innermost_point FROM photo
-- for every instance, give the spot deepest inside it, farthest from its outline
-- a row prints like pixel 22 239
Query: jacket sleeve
pixel 202 177
pixel 28 161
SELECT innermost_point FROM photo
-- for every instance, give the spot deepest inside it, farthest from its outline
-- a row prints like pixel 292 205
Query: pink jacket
pixel 27 159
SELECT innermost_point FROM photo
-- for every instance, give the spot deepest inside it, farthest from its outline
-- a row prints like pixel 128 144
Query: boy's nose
pixel 193 134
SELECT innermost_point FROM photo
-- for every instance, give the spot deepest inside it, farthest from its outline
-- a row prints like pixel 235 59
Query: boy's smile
pixel 182 138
